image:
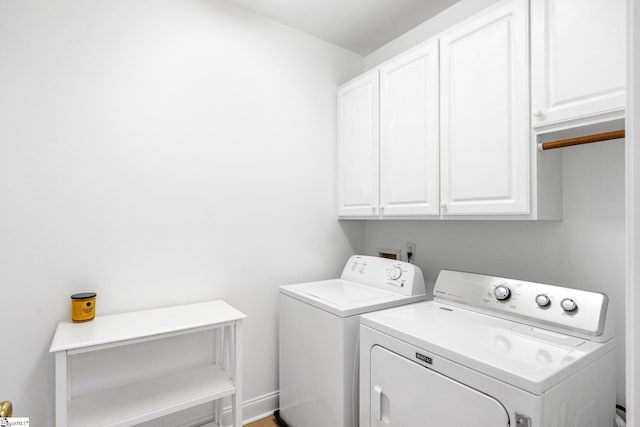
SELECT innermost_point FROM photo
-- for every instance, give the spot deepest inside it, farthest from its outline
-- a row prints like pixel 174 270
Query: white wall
pixel 458 12
pixel 158 153
pixel 633 216
pixel 585 250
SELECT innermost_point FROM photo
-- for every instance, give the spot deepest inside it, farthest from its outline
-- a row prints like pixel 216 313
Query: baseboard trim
pixel 255 408
pixel 252 410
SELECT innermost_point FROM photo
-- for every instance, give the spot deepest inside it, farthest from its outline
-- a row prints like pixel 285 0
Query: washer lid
pixel 344 298
pixel 526 357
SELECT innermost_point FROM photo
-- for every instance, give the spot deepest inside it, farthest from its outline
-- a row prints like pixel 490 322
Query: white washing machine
pixel 319 324
pixel 489 352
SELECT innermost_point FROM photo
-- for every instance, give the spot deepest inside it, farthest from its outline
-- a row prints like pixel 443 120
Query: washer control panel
pixel 555 307
pixel 395 276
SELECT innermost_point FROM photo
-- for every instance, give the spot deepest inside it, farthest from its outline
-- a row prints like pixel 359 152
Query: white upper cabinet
pixel 409 136
pixel 444 129
pixel 578 62
pixel 358 147
pixel 485 131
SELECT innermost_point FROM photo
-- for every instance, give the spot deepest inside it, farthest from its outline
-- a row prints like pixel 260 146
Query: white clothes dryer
pixel 489 352
pixel 319 323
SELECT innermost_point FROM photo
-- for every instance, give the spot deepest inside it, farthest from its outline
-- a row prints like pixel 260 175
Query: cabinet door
pixel 409 137
pixel 484 116
pixel 358 147
pixel 578 59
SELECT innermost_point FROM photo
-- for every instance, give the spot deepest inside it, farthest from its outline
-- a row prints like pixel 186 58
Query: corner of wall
pixel 445 19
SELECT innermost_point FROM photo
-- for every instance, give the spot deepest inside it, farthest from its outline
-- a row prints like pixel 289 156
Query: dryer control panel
pixel 573 311
pixel 394 276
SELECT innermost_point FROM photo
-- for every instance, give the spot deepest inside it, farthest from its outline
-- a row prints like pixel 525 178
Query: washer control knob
pixel 568 305
pixel 502 292
pixel 395 273
pixel 542 300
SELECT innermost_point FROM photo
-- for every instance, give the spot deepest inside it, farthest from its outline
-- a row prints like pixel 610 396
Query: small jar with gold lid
pixel 83 306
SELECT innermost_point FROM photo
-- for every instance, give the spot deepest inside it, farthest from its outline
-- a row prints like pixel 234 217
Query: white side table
pixel 158 396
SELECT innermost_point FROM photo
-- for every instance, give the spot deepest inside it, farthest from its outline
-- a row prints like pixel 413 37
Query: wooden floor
pixel 265 422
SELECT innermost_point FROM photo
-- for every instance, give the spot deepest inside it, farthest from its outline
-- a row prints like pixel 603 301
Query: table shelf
pixel 146 400
pixel 142 401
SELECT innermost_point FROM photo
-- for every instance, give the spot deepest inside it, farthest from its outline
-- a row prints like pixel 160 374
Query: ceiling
pixel 361 26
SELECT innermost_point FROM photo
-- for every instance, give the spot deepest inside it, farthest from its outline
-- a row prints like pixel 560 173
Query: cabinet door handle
pixel 443 205
pixel 538 113
pixel 377 402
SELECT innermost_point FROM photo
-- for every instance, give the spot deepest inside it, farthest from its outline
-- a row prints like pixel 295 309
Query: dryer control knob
pixel 542 300
pixel 502 292
pixel 395 273
pixel 568 305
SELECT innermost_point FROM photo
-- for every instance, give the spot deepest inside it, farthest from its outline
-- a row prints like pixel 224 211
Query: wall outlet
pixel 411 251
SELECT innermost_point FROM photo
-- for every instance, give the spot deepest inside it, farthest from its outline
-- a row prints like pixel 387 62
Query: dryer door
pixel 406 394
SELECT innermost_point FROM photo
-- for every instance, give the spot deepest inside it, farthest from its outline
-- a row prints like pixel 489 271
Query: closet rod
pixel 587 139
